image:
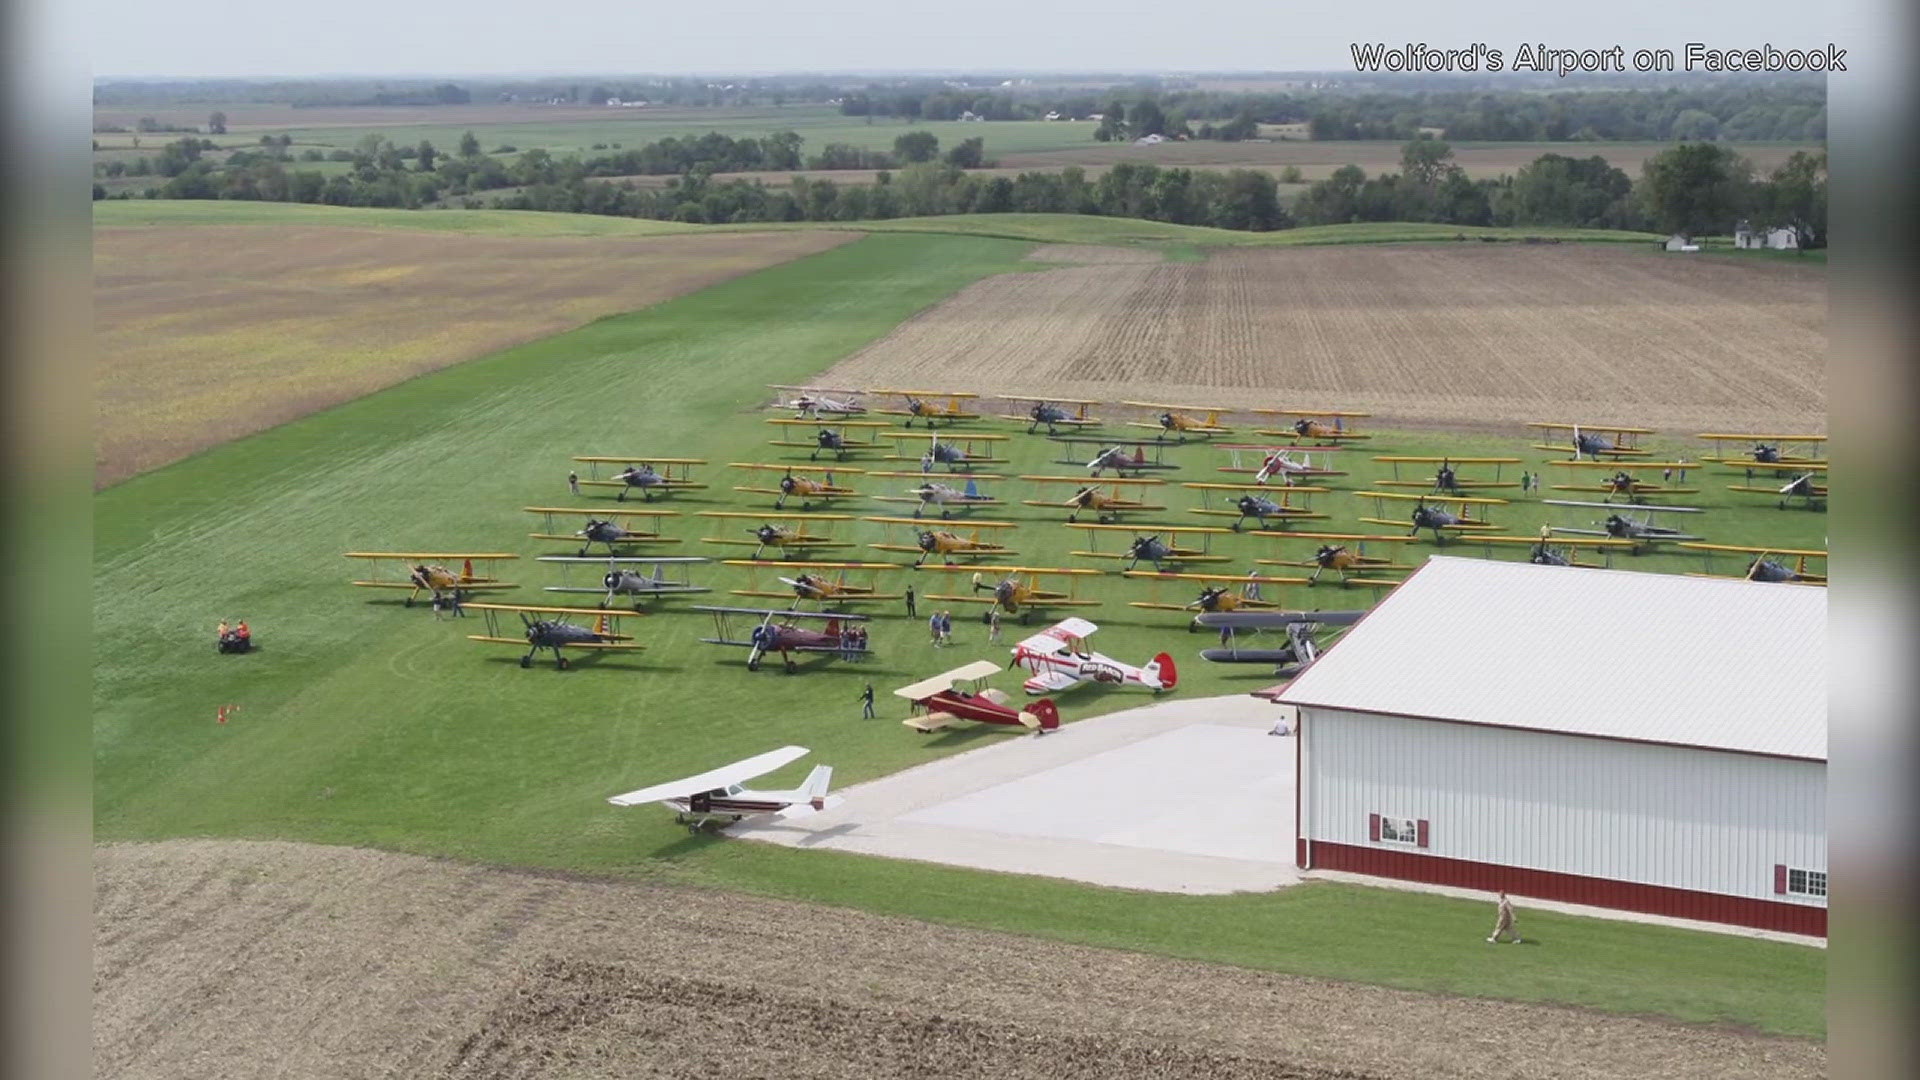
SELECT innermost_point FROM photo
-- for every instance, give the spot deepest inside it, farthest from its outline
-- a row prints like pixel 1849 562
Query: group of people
pixel 941 624
pixel 232 638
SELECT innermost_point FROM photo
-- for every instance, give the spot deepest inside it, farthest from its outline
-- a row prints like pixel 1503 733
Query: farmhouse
pixel 1639 741
pixel 1778 239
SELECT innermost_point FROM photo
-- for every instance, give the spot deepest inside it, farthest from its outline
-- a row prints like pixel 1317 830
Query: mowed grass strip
pixel 208 334
pixel 362 723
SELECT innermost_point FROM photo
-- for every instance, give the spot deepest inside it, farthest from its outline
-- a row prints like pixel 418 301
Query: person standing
pixel 573 482
pixel 993 624
pixel 910 611
pixel 866 703
pixel 1503 921
pixel 946 627
pixel 933 627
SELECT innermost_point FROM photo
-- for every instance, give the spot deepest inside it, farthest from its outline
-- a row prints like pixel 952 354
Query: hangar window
pixel 1395 830
pixel 1807 882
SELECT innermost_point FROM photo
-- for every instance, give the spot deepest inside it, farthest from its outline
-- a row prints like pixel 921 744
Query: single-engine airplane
pixel 1623 478
pixel 1051 412
pixel 805 581
pixel 418 571
pixel 718 795
pixel 772 631
pixel 1178 422
pixel 1019 590
pixel 959 453
pixel 613 530
pixel 792 535
pixel 1105 498
pixel 1300 628
pixel 1161 546
pixel 1635 523
pixel 1280 464
pixel 1060 660
pixel 1347 556
pixel 1446 478
pixel 803 487
pixel 1123 457
pixel 639 474
pixel 1217 591
pixel 618 581
pixel 1453 513
pixel 1594 441
pixel 949 545
pixel 559 632
pixel 1812 493
pixel 809 403
pixel 1786 451
pixel 929 492
pixel 1765 564
pixel 1284 503
pixel 937 702
pixel 1332 425
pixel 841 438
pixel 925 405
pixel 1551 550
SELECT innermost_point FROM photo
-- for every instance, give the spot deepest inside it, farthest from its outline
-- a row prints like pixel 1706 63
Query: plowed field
pixel 216 959
pixel 207 333
pixel 1471 335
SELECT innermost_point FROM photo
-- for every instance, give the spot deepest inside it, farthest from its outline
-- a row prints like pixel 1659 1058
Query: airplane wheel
pixel 562 663
pixel 753 665
pixel 526 661
pixel 792 667
pixel 409 601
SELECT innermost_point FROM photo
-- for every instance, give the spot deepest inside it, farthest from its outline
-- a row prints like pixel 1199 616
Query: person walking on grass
pixel 866 703
pixel 573 482
pixel 946 627
pixel 993 624
pixel 910 611
pixel 1503 921
pixel 933 627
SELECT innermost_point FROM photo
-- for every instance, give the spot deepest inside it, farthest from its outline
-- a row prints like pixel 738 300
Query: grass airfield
pixel 362 723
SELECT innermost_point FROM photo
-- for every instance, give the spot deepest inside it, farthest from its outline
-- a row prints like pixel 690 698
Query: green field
pixel 362 723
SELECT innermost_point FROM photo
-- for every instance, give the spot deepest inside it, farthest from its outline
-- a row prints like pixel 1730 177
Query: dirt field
pixel 1470 334
pixel 248 959
pixel 207 333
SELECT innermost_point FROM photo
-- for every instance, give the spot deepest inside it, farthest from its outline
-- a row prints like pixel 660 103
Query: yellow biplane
pixel 949 544
pixel 1594 441
pixel 1018 590
pixel 1764 563
pixel 1052 412
pixel 1452 513
pixel 927 405
pixel 1285 502
pixel 1623 478
pixel 1105 498
pixel 1550 549
pixel 1345 554
pixel 1216 593
pixel 649 476
pixel 837 437
pixel 805 581
pixel 1327 425
pixel 1446 478
pixel 601 632
pixel 802 486
pixel 1812 493
pixel 959 453
pixel 1177 422
pixel 789 534
pixel 423 570
pixel 1786 451
pixel 1149 545
pixel 615 530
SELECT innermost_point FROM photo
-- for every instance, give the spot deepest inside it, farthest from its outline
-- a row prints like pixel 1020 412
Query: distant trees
pixel 217 123
pixel 426 155
pixel 469 145
pixel 916 146
pixel 1697 188
pixel 1795 197
pixel 1584 193
pixel 967 154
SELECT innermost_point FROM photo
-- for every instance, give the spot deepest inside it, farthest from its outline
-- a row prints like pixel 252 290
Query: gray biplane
pixel 959 453
pixel 811 403
pixel 1594 441
pixel 1550 550
pixel 614 530
pixel 841 438
pixel 1625 479
pixel 1446 478
pixel 1161 546
pixel 1218 592
pixel 1785 451
pixel 1300 629
pixel 661 576
pixel 1766 564
pixel 1439 513
pixel 1811 492
pixel 556 630
pixel 1633 523
pixel 1053 413
pixel 934 493
pixel 1261 502
pixel 650 476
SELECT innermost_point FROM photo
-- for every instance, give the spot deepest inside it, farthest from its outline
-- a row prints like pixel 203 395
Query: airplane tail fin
pixel 1048 714
pixel 818 781
pixel 1161 672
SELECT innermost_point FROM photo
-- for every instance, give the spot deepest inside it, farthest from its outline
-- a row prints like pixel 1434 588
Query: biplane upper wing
pixel 713 780
pixel 944 681
pixel 1269 620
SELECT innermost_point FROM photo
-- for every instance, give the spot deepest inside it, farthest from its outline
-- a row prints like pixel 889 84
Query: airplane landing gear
pixel 561 663
pixel 527 660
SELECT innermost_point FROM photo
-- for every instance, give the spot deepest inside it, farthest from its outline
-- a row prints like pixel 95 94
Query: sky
pixel 581 37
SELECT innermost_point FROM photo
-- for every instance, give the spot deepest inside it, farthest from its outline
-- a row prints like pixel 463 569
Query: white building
pixel 1680 242
pixel 1778 239
pixel 1648 742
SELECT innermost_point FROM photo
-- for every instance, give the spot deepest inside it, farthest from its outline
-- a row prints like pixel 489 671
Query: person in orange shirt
pixel 245 635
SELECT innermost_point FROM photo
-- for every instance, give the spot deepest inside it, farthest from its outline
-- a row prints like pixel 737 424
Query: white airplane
pixel 717 795
pixel 1059 658
pixel 934 493
pixel 810 404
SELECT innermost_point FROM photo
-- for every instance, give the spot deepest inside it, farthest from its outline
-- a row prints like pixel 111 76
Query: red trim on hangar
pixel 1810 919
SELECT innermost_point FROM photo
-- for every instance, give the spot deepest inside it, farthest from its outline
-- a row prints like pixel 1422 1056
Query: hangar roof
pixel 1718 663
